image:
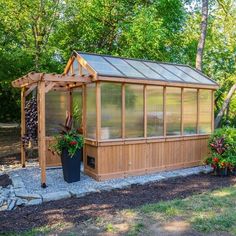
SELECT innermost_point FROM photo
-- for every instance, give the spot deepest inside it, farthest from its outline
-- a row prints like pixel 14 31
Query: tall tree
pixel 202 39
pixel 33 22
pixel 225 106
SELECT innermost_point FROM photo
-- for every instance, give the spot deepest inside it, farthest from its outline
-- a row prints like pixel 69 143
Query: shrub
pixel 222 145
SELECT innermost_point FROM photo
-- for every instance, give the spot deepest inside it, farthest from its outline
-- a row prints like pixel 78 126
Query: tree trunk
pixel 224 106
pixel 202 39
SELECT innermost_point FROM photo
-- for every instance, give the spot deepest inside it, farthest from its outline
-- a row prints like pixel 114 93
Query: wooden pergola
pixel 44 83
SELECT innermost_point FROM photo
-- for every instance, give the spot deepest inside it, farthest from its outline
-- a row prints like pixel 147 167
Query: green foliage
pixel 10 102
pixel 222 145
pixel 40 36
pixel 70 140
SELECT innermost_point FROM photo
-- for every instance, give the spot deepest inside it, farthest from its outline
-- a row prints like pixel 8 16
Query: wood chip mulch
pixel 76 210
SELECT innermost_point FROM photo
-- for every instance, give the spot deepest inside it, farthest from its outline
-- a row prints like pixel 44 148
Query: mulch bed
pixel 76 210
pixel 5 180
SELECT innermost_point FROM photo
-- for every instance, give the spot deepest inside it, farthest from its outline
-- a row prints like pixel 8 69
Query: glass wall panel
pixel 77 107
pixel 205 111
pixel 91 111
pixel 190 111
pixel 154 99
pixel 173 111
pixel 55 111
pixel 134 120
pixel 111 97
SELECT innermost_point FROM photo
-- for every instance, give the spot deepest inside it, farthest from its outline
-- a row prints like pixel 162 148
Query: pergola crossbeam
pixel 65 80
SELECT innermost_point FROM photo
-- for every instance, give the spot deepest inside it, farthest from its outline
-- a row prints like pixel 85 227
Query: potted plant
pixel 68 145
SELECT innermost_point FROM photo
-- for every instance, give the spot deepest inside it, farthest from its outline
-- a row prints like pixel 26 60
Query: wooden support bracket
pixel 49 86
pixel 32 87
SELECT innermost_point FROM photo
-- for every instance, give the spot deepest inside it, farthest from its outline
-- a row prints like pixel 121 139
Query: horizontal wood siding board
pixel 127 159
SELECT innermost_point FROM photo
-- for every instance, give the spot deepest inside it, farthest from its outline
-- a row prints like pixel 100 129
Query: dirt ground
pixel 105 204
pixel 10 147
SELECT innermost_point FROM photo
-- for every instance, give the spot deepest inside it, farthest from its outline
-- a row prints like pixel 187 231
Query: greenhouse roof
pixel 113 66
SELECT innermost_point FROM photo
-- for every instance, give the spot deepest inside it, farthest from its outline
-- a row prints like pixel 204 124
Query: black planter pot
pixel 71 165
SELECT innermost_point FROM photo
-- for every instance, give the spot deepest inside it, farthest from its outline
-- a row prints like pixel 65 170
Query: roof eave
pixel 133 80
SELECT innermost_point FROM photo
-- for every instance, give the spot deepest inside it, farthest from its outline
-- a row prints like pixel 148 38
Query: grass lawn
pixel 208 213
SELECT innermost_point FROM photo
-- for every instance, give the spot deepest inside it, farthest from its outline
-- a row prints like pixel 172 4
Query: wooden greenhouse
pixel 137 116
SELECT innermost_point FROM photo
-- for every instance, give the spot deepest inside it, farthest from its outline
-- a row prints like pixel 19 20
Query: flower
pixel 216 159
pixel 73 143
pixel 223 164
pixel 213 166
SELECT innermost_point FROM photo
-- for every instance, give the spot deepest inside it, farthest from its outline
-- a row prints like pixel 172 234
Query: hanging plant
pixel 31 123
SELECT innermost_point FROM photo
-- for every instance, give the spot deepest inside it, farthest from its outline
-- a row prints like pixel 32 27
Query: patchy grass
pixel 209 212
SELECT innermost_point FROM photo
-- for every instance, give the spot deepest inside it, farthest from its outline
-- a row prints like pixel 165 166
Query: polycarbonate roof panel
pixel 123 66
pixel 196 75
pixel 99 64
pixel 181 74
pixel 143 69
pixel 168 75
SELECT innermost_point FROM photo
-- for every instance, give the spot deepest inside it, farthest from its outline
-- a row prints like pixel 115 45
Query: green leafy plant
pixel 69 139
pixel 222 145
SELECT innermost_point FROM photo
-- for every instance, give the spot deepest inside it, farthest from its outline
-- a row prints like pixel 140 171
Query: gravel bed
pixel 56 183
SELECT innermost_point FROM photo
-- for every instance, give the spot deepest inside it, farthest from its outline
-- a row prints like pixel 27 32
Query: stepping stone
pixel 11 205
pixel 55 196
pixel 28 195
pixel 34 202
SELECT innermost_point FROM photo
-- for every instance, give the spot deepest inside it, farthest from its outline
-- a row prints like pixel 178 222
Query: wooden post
pixel 22 125
pixel 212 112
pixel 123 110
pixel 41 138
pixel 80 68
pixel 198 111
pixel 182 111
pixel 84 110
pixel 145 109
pixel 84 121
pixel 164 111
pixel 98 111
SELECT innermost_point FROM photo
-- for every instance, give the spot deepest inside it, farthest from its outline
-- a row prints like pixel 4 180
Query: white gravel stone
pixel 11 205
pixel 78 193
pixel 27 195
pixel 1 201
pixel 20 191
pixel 3 207
pixel 21 202
pixel 17 182
pixel 55 196
pixel 34 202
pixel 28 183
